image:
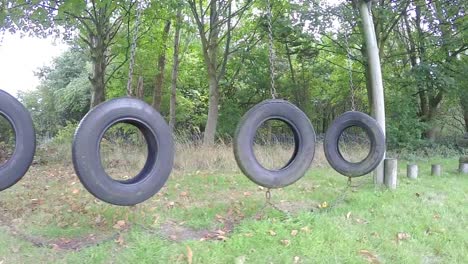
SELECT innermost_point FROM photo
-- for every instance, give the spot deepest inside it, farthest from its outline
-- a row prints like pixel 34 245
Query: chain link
pixel 349 64
pixel 271 50
pixel 133 50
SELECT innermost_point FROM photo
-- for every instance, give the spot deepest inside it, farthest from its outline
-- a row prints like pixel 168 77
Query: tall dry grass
pixel 123 160
pixel 124 152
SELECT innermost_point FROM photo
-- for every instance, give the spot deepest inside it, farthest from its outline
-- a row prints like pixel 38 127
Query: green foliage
pixel 404 127
pixel 123 134
pixel 6 132
pixel 312 40
pixel 63 95
pixel 65 134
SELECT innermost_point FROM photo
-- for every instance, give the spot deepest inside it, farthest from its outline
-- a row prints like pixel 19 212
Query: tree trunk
pixel 140 92
pixel 159 83
pixel 211 60
pixel 98 59
pixel 211 123
pixel 175 71
pixel 215 64
pixel 464 104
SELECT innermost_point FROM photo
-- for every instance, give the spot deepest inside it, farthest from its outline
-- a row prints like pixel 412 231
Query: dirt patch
pixel 295 207
pixel 76 243
pixel 178 232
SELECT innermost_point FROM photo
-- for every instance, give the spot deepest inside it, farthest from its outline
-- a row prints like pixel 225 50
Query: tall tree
pixel 175 70
pixel 216 21
pixel 159 80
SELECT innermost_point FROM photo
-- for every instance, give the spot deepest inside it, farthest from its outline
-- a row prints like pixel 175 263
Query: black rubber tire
pixel 25 140
pixel 376 138
pixel 304 137
pixel 87 158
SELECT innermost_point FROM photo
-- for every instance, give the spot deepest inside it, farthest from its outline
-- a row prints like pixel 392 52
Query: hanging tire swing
pixel 87 158
pixel 25 140
pixel 304 139
pixel 274 109
pixel 332 138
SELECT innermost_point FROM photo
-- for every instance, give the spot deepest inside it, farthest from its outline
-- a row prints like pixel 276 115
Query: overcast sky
pixel 20 57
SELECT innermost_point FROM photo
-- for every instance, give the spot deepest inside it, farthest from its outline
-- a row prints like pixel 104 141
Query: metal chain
pixel 342 196
pixel 133 50
pixel 271 51
pixel 349 63
pixel 268 203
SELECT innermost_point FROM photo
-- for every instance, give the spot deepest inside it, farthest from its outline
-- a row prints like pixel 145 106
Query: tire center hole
pixel 7 140
pixel 354 144
pixel 274 144
pixel 123 151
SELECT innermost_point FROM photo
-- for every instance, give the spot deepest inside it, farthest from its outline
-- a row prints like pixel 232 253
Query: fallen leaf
pixel 403 236
pixel 294 232
pixel 76 191
pixel 323 205
pixel 223 238
pixel 348 215
pixel 219 216
pixel 183 194
pixel 15 249
pixel 247 193
pixel 120 240
pixel 120 224
pixel 296 259
pixel 361 221
pixel 238 260
pixel 305 229
pixel 272 233
pixel 371 258
pixel 55 247
pixel 285 242
pixel 189 255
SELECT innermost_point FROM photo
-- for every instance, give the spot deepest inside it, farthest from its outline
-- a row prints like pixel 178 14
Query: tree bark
pixel 209 29
pixel 464 105
pixel 175 71
pixel 212 121
pixel 98 60
pixel 140 92
pixel 159 82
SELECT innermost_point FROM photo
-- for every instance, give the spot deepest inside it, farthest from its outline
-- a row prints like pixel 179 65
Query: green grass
pixel 431 213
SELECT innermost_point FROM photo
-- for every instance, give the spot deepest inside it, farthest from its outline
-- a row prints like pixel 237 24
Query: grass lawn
pixel 210 218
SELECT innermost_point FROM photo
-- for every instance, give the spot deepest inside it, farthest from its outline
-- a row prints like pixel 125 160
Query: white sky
pixel 20 57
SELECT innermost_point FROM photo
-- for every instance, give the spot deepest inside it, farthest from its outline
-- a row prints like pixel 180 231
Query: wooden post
pixel 391 173
pixel 412 171
pixel 436 170
pixel 463 168
pixel 378 102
